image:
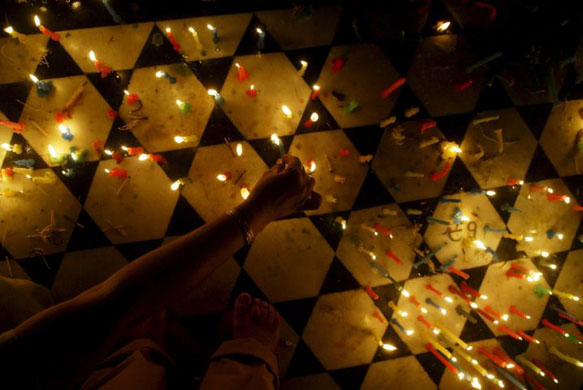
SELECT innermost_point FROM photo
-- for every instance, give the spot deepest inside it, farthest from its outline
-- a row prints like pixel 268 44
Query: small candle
pixel 101 68
pixel 43 88
pixel 449 334
pixel 15 126
pixel 429 301
pixel 514 310
pixel 509 332
pixel 565 358
pixel 512 181
pixel 53 35
pixel 315 92
pixel 286 111
pixel 177 184
pixel 117 172
pixel 252 92
pixel 387 92
pixel 558 198
pixel 566 295
pixel 530 365
pixel 65 132
pixel 510 378
pixel 545 370
pixel 132 97
pixel 133 151
pixel 224 176
pixel 170 36
pixel 216 38
pixel 426 125
pixel 393 256
pixel 179 139
pixel 458 272
pixel 275 139
pixel 302 70
pixel 14 34
pixel 15 148
pixel 313 118
pixel 245 191
pixel 436 344
pixel 242 74
pixel 491 356
pixel 183 107
pixel 445 362
pixel 170 78
pixel 527 337
pixel 260 38
pixel 196 40
pixel 433 289
pixel 239 150
pixel 442 26
pixel 218 98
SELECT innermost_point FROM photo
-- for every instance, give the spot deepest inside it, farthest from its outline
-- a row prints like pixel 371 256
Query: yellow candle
pixel 24 171
pixel 566 358
pixel 364 226
pixel 566 295
pixel 517 237
pixel 530 365
pixel 470 360
pixel 367 252
pixel 196 40
pixel 396 309
pixel 437 346
pixel 48 178
pixel 449 334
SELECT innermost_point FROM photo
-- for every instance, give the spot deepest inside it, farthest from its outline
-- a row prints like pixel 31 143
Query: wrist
pixel 256 215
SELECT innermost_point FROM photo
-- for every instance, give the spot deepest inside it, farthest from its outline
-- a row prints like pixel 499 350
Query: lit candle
pixel 512 181
pixel 315 92
pixel 15 148
pixel 526 337
pixel 422 319
pixel 530 365
pixel 183 107
pixel 215 33
pixel 492 357
pixel 275 139
pixel 170 78
pixel 387 347
pixel 509 332
pixel 442 26
pixel 458 272
pixel 43 88
pixel 396 309
pixel 177 184
pixel 433 289
pixel 558 198
pixel 303 68
pixel 224 176
pixel 242 74
pixel 101 68
pixel 260 38
pixel 429 301
pixel 179 139
pixel 286 111
pixel 117 172
pixel 14 34
pixel 311 164
pixel 387 92
pixel 545 370
pixel 430 347
pixel 565 358
pixel 514 310
pixel 196 40
pixel 252 92
pixel 170 36
pixel 115 16
pixel 313 118
pixel 566 295
pixel 48 178
pixel 510 378
pixel 53 156
pixel 245 191
pixel 218 98
pixel 53 35
pixel 65 132
pixel 239 150
pixel 15 126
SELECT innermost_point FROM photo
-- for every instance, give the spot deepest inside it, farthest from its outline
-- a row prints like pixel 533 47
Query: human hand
pixel 284 189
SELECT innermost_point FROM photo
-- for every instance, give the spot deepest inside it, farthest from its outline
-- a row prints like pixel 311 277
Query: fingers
pixel 292 162
pixel 279 166
pixel 310 186
pixel 313 202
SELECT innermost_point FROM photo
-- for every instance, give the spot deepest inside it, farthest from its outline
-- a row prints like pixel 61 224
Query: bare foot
pixel 254 318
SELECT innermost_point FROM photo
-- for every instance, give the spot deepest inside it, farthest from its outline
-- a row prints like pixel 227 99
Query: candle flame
pixel 107 170
pixel 108 152
pixel 314 117
pixel 286 111
pixel 192 30
pixel 62 128
pixel 143 157
pixel 275 139
pixel 212 92
pixel 312 166
pixel 9 30
pixel 304 63
pixel 126 92
pixel 160 73
pixel 409 332
pixel 406 293
pixel 389 347
pixel 221 177
pixel 179 139
pixel 528 239
pixel 560 236
pixel 567 200
pixel 442 25
pixel 6 147
pixel 36 20
pixel 34 78
pixel 178 102
pixel 544 254
pixel 479 244
pixel 52 151
pixel 316 87
pixel 210 27
pixel 92 56
pixel 550 190
pixel 74 156
pixel 239 150
pixel 259 31
pixel 176 185
pixel 168 30
pixel 252 87
pixel 245 192
pixel 490 193
pixel 237 65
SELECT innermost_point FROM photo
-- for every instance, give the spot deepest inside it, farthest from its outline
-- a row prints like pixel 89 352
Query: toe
pixel 271 316
pixel 242 303
pixel 264 311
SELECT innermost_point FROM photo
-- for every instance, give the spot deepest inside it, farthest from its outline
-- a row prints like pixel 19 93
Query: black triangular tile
pixel 218 127
pixel 476 277
pixel 535 117
pixel 506 250
pixel 112 87
pixel 350 28
pixel 427 206
pixel 325 120
pixel 349 378
pixel 157 51
pixel 406 100
pixel 77 177
pixel 401 53
pixel 133 250
pixel 178 162
pixel 511 346
pixel 304 362
pixel 250 39
pixel 460 179
pixel 58 63
pixel 296 313
pixel 432 366
pixel 392 337
pixel 241 255
pixel 493 97
pixel 372 193
pixel 184 219
pixel 543 265
pixel 454 127
pixel 338 279
pixel 245 284
pixel 118 138
pixel 386 293
pixel 314 56
pixel 86 234
pixel 329 228
pixel 28 154
pixel 476 332
pixel 212 72
pixel 10 93
pixel 267 150
pixel 575 186
pixel 365 139
pixel 540 167
pixel 505 197
pixel 36 268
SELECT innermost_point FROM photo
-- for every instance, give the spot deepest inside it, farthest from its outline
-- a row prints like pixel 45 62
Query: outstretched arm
pixel 65 342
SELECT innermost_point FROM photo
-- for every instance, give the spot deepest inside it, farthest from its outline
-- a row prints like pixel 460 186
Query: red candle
pixel 170 36
pixel 456 271
pixel 578 208
pixel 371 293
pixel 442 359
pixel 315 92
pixel 98 145
pixel 493 312
pixel 118 172
pixel 513 181
pixel 101 68
pixel 135 151
pixel 486 315
pixel 556 197
pixel 509 332
pixel 337 65
pixel 242 74
pixel 518 275
pixel 491 356
pixel 468 290
pixel 514 310
pixel 157 158
pixel 519 267
pixel 442 173
pixel 502 355
pixel 313 118
pixel 393 256
pixel 53 35
pixel 422 319
pixel 534 188
pixel 491 9
pixel 526 337
pixel 431 288
pixel 15 126
pixel 387 92
pixel 381 229
pixel 573 320
pixel 534 383
pixel 457 292
pixel 132 97
pixel 377 314
pixel 545 370
pixel 252 92
pixel 554 327
pixel 426 125
pixel 414 301
pixel 118 157
pixel 465 85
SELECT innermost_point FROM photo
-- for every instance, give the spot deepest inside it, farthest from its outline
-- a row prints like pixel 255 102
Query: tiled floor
pixel 371 268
